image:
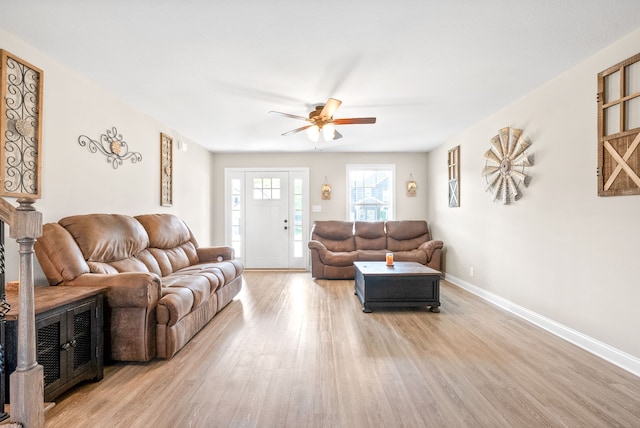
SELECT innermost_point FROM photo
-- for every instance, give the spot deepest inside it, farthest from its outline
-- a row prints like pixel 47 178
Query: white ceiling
pixel 212 69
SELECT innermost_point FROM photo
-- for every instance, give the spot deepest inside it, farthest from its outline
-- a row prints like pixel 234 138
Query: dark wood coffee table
pixel 403 284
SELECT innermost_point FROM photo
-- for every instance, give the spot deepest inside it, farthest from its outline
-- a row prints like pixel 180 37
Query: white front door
pixel 267 219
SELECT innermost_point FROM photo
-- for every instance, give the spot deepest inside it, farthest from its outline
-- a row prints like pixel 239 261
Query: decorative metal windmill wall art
pixel 506 163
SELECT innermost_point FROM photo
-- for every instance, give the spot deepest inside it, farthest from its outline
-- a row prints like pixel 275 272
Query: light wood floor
pixel 294 352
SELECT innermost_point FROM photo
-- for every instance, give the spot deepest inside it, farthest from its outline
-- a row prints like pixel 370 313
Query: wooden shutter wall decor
pixel 20 127
pixel 619 129
pixel 453 165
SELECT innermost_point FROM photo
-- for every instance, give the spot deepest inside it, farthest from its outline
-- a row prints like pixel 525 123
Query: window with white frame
pixel 371 192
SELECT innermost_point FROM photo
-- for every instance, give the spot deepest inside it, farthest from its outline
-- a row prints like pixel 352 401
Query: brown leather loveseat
pixel 162 287
pixel 335 245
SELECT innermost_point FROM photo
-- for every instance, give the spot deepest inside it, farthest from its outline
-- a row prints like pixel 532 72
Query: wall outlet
pixel 471 271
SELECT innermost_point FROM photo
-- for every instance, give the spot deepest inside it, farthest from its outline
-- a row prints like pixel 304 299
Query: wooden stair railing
pixel 27 381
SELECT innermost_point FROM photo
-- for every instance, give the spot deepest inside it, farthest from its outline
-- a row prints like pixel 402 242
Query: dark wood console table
pixel 402 284
pixel 69 331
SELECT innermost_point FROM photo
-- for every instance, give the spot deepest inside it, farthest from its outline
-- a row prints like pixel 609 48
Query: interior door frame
pixel 294 173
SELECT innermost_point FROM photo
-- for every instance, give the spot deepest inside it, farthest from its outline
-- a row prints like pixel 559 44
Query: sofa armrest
pixel 125 290
pixel 213 254
pixel 317 245
pixel 430 247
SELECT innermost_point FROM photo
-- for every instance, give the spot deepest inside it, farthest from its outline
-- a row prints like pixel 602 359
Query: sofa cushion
pixel 213 275
pixel 171 242
pixel 106 237
pixel 149 261
pixel 335 235
pixel 175 304
pixel 130 264
pixel 198 285
pixel 369 235
pixel 59 255
pixel 406 235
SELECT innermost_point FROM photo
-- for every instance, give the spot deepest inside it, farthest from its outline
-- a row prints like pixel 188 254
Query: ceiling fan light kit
pixel 322 119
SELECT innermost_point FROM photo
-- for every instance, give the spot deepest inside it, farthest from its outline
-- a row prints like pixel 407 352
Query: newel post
pixel 27 382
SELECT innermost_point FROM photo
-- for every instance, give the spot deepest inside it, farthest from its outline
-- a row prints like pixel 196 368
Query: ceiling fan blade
pixel 330 108
pixel 354 121
pixel 292 116
pixel 293 131
pixel 337 135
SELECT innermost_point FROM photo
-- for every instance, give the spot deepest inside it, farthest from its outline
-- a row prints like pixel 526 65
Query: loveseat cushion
pixel 372 255
pixel 406 235
pixel 335 235
pixel 369 235
pixel 339 258
pixel 416 255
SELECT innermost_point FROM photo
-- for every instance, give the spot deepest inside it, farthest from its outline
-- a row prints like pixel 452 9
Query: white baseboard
pixel 614 356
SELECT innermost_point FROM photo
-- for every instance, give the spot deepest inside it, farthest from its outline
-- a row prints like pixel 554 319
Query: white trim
pixel 606 352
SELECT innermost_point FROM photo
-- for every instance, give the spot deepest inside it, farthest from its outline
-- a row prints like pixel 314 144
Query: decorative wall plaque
pixel 619 129
pixel 453 165
pixel 111 145
pixel 506 162
pixel 166 170
pixel 20 127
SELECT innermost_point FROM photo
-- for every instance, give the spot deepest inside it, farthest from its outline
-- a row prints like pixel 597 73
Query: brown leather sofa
pixel 162 287
pixel 335 245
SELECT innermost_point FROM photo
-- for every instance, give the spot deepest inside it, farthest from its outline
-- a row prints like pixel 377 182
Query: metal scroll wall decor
pixel 111 145
pixel 20 127
pixel 506 162
pixel 166 170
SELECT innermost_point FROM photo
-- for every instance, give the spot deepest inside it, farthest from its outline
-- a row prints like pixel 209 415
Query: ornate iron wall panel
pixel 166 170
pixel 20 127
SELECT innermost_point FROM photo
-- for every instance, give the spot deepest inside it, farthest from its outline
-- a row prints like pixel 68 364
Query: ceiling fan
pixel 322 119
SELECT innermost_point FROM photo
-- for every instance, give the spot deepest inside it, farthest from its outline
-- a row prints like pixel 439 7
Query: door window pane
pixel 266 188
pixel 612 119
pixel 612 87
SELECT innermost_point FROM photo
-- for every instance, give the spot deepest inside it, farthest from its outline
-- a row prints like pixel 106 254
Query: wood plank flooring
pixel 294 352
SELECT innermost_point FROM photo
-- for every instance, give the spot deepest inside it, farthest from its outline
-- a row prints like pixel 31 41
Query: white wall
pixel 333 166
pixel 561 251
pixel 76 181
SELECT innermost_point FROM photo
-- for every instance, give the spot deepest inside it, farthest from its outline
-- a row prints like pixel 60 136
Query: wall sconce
pixel 411 186
pixel 326 189
pixel 182 146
